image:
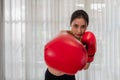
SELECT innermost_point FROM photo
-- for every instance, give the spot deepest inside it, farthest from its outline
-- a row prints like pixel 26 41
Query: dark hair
pixel 80 14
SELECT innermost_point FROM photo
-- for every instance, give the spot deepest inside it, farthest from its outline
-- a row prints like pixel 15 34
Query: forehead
pixel 79 21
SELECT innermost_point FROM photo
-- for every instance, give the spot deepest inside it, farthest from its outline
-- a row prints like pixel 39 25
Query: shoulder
pixel 65 31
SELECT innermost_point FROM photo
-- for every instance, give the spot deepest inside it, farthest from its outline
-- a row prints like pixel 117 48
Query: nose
pixel 79 30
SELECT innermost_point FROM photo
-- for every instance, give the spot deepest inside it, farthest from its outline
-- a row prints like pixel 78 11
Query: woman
pixel 79 22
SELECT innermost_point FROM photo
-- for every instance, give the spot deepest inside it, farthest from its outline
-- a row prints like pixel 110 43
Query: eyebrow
pixel 78 25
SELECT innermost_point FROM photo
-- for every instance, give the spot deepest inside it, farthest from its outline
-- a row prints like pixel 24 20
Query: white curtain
pixel 29 24
pixel 1 42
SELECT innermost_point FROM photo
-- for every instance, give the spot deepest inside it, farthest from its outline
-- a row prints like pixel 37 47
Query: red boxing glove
pixel 65 53
pixel 89 40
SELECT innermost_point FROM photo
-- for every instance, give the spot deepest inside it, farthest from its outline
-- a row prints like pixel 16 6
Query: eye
pixel 83 26
pixel 75 25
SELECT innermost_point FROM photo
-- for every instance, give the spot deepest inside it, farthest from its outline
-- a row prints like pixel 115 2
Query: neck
pixel 70 32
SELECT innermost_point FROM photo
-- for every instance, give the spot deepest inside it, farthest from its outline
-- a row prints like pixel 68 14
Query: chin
pixel 77 37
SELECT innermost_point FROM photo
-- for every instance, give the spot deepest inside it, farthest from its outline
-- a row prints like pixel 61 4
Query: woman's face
pixel 78 27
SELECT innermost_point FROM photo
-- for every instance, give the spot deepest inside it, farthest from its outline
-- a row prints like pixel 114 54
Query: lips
pixel 78 34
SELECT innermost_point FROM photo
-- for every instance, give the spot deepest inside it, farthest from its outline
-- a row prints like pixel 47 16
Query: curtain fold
pixel 2 57
pixel 29 24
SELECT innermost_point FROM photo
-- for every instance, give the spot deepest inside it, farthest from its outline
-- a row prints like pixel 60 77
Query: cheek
pixel 83 30
pixel 73 29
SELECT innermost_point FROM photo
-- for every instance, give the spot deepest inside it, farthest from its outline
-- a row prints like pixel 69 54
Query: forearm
pixel 86 66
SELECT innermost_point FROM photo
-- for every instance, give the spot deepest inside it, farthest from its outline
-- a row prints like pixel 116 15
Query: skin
pixel 78 27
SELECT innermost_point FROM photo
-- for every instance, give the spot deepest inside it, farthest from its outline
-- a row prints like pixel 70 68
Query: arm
pixel 89 40
pixel 86 66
